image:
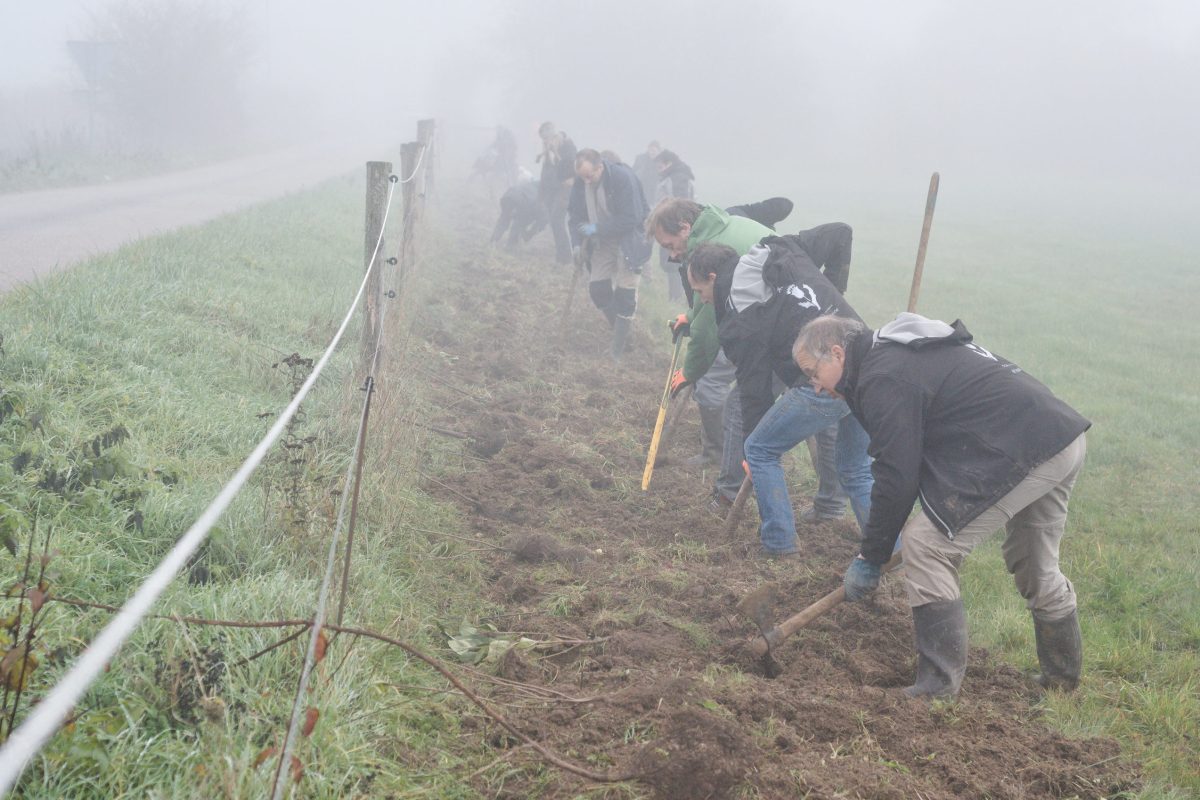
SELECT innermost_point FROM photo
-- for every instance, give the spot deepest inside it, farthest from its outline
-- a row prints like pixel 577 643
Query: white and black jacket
pixel 773 292
pixel 950 423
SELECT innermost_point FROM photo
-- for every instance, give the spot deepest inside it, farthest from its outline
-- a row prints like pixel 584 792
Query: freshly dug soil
pixel 552 475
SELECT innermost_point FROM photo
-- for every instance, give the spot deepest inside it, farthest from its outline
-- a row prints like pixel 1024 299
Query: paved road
pixel 47 231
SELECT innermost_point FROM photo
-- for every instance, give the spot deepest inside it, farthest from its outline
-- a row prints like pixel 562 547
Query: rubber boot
pixel 712 437
pixel 941 636
pixel 621 327
pixel 1059 652
pixel 601 293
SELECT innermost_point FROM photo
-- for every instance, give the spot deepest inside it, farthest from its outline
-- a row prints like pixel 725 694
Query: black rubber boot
pixel 602 297
pixel 941 637
pixel 1059 652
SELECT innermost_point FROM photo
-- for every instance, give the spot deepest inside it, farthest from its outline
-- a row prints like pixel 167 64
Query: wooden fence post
pixel 427 135
pixel 410 154
pixel 378 173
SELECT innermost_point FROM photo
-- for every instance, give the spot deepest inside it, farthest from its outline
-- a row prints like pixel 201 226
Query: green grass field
pixel 1107 323
pixel 174 339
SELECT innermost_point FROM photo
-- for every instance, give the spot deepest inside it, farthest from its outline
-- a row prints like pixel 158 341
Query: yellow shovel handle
pixel 662 415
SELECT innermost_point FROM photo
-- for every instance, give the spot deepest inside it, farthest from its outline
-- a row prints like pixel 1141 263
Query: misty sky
pixel 1105 94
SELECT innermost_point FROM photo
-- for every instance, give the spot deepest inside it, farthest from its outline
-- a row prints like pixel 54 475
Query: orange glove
pixel 679 326
pixel 678 382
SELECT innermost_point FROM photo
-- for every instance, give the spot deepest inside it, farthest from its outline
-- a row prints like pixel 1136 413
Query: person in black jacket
pixel 762 301
pixel 982 445
pixel 521 214
pixel 646 171
pixel 675 178
pixel 607 206
pixel 558 173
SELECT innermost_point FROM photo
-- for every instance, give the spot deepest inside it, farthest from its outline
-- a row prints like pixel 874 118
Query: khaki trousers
pixel 608 263
pixel 1033 515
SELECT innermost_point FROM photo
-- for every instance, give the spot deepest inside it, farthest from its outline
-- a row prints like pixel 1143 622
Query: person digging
pixel 608 208
pixel 762 301
pixel 680 226
pixel 982 444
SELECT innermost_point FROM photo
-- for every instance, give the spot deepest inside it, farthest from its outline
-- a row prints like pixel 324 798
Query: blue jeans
pixel 731 475
pixel 830 500
pixel 798 414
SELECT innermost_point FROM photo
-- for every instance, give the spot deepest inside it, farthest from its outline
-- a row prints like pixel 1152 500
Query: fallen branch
pixel 448 488
pixel 448 432
pixel 549 755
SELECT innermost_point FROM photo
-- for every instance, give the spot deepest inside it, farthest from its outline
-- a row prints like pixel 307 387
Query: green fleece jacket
pixel 740 233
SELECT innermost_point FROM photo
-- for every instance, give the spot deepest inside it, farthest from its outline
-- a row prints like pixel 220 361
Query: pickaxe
pixel 759 604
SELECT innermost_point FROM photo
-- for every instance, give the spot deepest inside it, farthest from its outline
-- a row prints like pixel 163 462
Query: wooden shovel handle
pixel 678 404
pixel 774 637
pixel 734 517
pixel 930 202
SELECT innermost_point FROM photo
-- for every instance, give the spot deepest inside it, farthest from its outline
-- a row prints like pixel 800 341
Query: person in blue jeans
pixel 762 301
pixel 798 414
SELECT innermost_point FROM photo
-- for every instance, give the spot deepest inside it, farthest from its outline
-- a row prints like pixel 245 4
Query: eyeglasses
pixel 811 374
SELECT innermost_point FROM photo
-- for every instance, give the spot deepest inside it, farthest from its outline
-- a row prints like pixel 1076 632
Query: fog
pixel 1081 107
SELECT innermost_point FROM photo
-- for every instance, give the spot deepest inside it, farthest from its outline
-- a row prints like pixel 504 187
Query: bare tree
pixel 174 79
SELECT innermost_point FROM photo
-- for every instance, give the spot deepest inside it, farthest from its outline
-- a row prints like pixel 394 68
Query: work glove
pixel 587 229
pixel 678 382
pixel 862 578
pixel 679 327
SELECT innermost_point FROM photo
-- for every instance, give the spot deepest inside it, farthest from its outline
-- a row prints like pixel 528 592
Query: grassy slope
pixel 168 338
pixel 175 338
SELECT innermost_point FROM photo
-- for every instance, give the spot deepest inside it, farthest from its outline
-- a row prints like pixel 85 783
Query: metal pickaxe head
pixel 759 606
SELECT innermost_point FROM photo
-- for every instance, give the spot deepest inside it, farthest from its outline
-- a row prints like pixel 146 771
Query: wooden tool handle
pixel 734 517
pixel 930 202
pixel 772 638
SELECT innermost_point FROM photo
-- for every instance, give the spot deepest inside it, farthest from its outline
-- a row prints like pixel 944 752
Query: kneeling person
pixel 983 445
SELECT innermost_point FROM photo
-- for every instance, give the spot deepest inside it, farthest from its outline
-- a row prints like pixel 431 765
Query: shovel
pixel 679 403
pixel 758 605
pixel 651 457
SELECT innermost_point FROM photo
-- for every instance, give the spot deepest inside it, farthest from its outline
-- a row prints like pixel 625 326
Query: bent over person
pixel 608 208
pixel 983 445
pixel 762 301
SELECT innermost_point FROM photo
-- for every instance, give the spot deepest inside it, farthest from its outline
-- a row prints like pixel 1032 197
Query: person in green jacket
pixel 679 225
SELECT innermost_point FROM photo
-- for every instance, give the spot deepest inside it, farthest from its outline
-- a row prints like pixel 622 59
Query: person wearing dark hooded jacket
pixel 608 208
pixel 522 214
pixel 675 178
pixel 762 301
pixel 982 445
pixel 827 247
pixel 558 174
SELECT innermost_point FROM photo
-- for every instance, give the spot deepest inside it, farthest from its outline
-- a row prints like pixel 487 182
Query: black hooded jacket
pixel 678 180
pixel 768 213
pixel 950 423
pixel 757 335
